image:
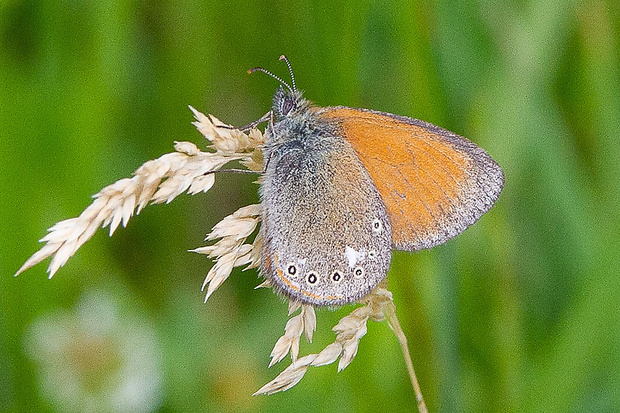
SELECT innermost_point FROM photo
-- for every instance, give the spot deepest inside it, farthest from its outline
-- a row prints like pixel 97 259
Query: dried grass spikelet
pixel 157 181
pixel 303 323
pixel 189 169
pixel 378 305
pixel 349 329
pixel 231 250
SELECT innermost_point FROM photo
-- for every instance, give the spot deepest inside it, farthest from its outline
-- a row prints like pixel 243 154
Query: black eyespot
pixel 377 225
pixel 291 269
pixel 312 278
pixel 358 272
pixel 336 276
pixel 372 254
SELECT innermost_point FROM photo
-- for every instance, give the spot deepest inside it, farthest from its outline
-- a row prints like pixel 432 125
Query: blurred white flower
pixel 97 357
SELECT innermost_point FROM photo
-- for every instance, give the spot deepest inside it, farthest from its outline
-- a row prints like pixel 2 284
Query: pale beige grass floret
pixel 231 250
pixel 349 329
pixel 157 181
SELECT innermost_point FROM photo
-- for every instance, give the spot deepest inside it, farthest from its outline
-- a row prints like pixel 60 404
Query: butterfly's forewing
pixel 434 183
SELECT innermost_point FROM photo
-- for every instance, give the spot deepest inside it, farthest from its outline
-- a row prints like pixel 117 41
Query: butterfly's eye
pixel 287 105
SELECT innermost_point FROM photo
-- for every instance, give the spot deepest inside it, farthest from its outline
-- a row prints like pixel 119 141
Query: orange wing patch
pixel 434 183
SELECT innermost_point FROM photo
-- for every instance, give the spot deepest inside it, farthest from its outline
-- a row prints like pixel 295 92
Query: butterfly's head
pixel 287 103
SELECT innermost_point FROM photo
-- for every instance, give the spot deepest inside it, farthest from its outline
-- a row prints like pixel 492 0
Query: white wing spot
pixel 351 255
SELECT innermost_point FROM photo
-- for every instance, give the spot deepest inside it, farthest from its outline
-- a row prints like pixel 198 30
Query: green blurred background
pixel 520 313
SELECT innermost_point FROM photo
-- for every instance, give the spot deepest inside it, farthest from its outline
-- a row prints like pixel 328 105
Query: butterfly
pixel 342 187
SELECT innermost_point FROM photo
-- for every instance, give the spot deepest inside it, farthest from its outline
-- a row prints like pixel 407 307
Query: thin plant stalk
pixel 390 313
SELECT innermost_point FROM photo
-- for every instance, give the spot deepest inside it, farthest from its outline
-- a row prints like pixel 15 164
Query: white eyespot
pixel 377 225
pixel 291 269
pixel 336 277
pixel 311 278
pixel 358 272
pixel 372 254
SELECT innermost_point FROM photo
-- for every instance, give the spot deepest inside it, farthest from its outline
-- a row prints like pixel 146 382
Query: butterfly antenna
pixel 260 69
pixel 290 70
